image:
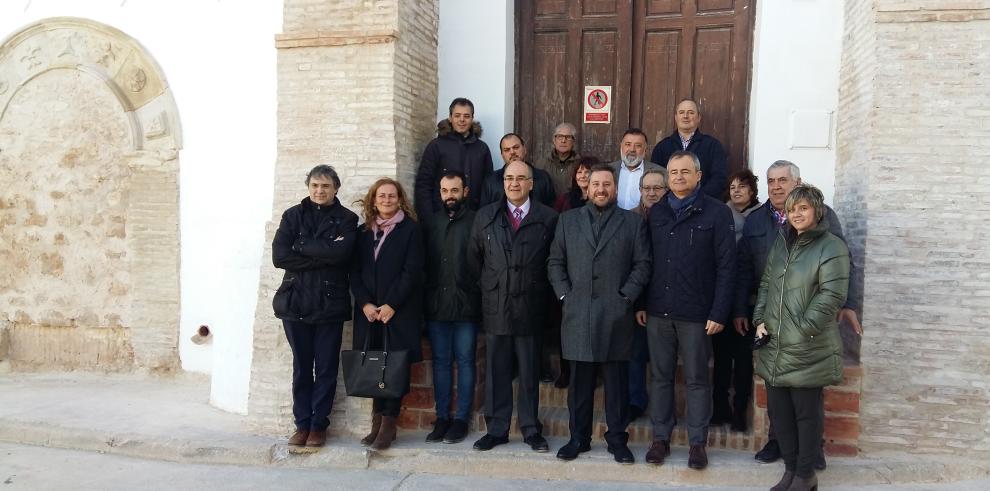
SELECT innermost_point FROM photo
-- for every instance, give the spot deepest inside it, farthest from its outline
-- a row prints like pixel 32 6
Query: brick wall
pixel 914 140
pixel 355 84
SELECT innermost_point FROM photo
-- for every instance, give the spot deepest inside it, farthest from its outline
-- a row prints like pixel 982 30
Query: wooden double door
pixel 653 53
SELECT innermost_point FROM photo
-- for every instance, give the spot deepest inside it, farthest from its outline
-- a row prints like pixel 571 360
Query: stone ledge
pixel 921 15
pixel 311 39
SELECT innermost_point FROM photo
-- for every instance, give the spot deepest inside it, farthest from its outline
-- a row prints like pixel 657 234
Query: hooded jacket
pixel 451 151
pixel 803 287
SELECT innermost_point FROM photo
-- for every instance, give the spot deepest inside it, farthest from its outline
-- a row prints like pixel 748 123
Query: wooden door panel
pixel 600 66
pixel 713 79
pixel 714 5
pixel 546 8
pixel 660 7
pixel 550 87
pixel 662 57
pixel 599 7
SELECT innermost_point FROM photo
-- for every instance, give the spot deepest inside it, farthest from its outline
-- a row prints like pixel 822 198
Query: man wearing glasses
pixel 562 159
pixel 508 250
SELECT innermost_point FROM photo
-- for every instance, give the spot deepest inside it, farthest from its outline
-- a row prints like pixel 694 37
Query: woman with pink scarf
pixel 387 283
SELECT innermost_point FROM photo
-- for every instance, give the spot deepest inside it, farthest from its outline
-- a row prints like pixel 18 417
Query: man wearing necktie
pixel 508 252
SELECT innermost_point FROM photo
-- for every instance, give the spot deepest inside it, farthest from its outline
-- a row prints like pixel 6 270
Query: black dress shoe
pixel 573 449
pixel 457 432
pixel 622 453
pixel 769 453
pixel 489 442
pixel 537 443
pixel 635 412
pixel 440 427
pixel 697 457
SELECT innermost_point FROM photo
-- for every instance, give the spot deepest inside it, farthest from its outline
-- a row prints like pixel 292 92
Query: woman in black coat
pixel 387 282
pixel 314 244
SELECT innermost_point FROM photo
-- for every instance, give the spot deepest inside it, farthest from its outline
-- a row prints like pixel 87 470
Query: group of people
pixel 620 266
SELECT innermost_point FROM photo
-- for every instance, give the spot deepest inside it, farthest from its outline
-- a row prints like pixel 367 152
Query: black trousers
pixel 733 368
pixel 799 418
pixel 315 358
pixel 502 353
pixel 581 400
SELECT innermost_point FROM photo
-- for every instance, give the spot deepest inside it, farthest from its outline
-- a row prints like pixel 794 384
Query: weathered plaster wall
pixel 91 261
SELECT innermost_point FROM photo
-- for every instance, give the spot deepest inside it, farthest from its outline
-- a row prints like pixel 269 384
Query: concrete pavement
pixel 168 419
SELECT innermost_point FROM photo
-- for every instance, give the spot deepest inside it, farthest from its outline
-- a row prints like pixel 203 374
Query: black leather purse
pixel 376 374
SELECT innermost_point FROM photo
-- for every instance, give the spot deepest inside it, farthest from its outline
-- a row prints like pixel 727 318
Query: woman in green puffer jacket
pixel 803 287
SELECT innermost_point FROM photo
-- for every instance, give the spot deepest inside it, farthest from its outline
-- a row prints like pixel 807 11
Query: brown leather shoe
pixel 659 451
pixel 376 423
pixel 298 439
pixel 386 434
pixel 697 457
pixel 316 439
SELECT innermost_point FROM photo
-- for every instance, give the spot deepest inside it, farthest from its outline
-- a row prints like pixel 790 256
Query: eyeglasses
pixel 655 189
pixel 516 178
pixel 564 137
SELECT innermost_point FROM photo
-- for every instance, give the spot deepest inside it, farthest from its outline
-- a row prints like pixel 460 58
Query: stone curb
pixel 514 460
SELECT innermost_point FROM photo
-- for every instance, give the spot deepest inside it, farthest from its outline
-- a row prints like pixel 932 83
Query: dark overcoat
pixel 599 282
pixel 512 268
pixel 396 279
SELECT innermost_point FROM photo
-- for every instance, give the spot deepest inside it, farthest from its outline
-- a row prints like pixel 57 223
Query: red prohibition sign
pixel 597 99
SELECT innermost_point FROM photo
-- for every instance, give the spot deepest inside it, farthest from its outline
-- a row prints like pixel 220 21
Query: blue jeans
pixel 450 340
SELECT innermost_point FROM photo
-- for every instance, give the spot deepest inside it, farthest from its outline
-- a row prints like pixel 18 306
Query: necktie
pixel 516 218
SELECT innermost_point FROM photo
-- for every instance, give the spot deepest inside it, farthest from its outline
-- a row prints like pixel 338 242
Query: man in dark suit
pixel 690 299
pixel 512 148
pixel 508 249
pixel 599 264
pixel 687 137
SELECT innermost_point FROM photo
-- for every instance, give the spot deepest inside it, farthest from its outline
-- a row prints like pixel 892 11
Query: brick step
pixel 555 424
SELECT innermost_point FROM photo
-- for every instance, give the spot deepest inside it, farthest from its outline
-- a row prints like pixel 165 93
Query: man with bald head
pixel 687 137
pixel 508 250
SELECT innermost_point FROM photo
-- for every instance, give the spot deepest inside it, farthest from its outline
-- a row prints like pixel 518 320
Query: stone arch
pixel 89 147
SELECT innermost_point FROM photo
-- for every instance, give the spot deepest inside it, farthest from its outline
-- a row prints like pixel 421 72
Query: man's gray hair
pixel 661 171
pixel 686 153
pixel 569 126
pixel 791 166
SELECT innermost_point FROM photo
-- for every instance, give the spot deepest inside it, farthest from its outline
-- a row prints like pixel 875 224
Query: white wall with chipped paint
pixel 222 74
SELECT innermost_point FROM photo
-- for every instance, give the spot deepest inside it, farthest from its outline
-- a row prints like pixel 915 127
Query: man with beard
pixel 452 308
pixel 508 251
pixel 631 167
pixel 599 264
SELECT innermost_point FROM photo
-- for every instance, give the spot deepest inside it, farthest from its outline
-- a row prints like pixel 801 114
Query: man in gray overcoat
pixel 599 264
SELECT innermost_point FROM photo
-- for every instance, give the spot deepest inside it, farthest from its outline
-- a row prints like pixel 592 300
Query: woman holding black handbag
pixel 314 244
pixel 387 282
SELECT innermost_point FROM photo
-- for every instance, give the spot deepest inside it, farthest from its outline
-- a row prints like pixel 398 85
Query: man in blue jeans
pixel 452 308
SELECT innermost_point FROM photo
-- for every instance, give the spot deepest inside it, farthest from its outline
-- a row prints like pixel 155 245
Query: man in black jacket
pixel 314 244
pixel 452 308
pixel 687 137
pixel 689 300
pixel 458 147
pixel 510 242
pixel 512 148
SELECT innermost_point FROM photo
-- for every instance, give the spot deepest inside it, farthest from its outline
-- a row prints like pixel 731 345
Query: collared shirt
pixel 525 208
pixel 780 216
pixel 685 143
pixel 628 192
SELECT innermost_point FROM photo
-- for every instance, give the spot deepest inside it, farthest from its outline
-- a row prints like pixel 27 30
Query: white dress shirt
pixel 628 192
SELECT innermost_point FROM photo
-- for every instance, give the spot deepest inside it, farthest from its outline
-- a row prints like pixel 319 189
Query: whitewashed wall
pixel 219 59
pixel 477 61
pixel 797 46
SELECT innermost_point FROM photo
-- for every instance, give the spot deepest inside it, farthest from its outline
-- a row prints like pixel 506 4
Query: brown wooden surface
pixel 652 52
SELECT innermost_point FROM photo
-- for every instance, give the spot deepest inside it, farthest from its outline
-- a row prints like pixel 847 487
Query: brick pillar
pixel 357 89
pixel 913 140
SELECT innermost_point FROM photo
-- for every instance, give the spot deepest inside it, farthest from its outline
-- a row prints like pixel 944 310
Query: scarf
pixel 382 227
pixel 679 205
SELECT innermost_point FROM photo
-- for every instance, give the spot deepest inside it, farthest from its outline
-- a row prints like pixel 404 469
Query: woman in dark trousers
pixel 314 244
pixel 575 197
pixel 387 282
pixel 803 287
pixel 733 366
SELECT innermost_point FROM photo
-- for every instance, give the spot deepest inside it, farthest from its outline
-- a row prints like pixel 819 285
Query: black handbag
pixel 376 374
